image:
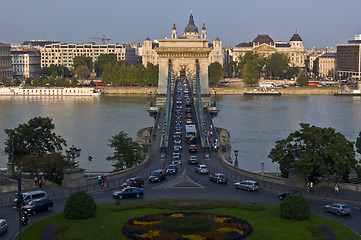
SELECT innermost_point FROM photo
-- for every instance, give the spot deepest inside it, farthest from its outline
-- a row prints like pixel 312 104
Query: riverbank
pixel 228 89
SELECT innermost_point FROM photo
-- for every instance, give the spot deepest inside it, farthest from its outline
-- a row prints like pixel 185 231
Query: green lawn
pixel 267 224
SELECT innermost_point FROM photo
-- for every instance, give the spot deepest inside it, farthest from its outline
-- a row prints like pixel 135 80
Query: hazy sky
pixel 320 23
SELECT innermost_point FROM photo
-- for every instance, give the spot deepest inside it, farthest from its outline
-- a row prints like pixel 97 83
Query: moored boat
pixel 50 91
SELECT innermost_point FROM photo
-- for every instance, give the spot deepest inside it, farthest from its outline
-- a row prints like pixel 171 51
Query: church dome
pixel 260 39
pixel 296 37
pixel 191 27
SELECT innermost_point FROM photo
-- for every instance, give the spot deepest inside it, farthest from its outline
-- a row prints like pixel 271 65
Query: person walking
pixel 308 187
pixel 311 187
pixel 105 181
pixel 337 189
pixel 43 181
pixel 36 181
pixel 99 179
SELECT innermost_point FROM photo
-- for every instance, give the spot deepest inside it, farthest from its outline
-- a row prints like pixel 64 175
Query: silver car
pixel 201 169
pixel 248 185
pixel 3 226
pixel 338 208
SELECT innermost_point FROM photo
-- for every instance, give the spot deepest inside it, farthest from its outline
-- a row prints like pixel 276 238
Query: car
pixel 176 160
pixel 177 140
pixel 178 120
pixel 172 169
pixel 179 107
pixel 201 169
pixel 193 148
pixel 29 196
pixel 133 182
pixel 189 116
pixel 218 178
pixel 285 194
pixel 189 121
pixel 177 146
pixel 178 126
pixel 3 226
pixel 38 205
pixel 176 136
pixel 178 132
pixel 248 185
pixel 176 152
pixel 193 159
pixel 188 110
pixel 157 175
pixel 128 192
pixel 338 208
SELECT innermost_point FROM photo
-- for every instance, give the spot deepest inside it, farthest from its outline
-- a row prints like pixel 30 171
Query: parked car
pixel 338 208
pixel 193 159
pixel 172 169
pixel 285 194
pixel 3 226
pixel 157 175
pixel 218 178
pixel 248 185
pixel 38 205
pixel 128 192
pixel 133 182
pixel 201 169
pixel 29 196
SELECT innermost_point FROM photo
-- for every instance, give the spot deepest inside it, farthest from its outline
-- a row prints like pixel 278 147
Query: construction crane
pixel 101 38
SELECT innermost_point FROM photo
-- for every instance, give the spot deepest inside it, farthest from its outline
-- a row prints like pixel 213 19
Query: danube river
pixel 255 122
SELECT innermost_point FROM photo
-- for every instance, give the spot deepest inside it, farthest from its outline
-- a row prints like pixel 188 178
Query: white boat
pixel 49 91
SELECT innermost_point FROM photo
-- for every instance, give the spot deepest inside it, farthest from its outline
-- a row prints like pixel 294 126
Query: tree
pixel 102 60
pixel 82 72
pixel 107 73
pixel 249 74
pixel 36 137
pixel 123 71
pixel 51 80
pixel 123 154
pixel 302 80
pixel 132 74
pixel 74 81
pixel 315 152
pixel 82 60
pixel 215 72
pixel 277 64
pixel 54 70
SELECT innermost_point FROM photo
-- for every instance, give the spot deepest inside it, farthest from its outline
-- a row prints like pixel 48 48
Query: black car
pixel 38 205
pixel 157 176
pixel 192 148
pixel 285 194
pixel 218 178
pixel 172 169
pixel 133 182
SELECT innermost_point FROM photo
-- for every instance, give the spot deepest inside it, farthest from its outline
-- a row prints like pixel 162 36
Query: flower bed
pixel 187 226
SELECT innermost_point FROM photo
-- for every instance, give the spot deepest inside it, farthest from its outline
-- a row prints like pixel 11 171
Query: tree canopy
pixel 35 147
pixel 102 60
pixel 123 154
pixel 315 152
pixel 54 70
pixel 302 80
pixel 82 60
pixel 215 72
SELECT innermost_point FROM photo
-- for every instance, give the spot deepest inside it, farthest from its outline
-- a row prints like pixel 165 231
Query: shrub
pixel 80 205
pixel 295 207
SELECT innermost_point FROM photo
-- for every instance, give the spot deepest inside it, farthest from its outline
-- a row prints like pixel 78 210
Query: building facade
pixel 348 61
pixel 265 46
pixel 183 52
pixel 63 54
pixel 25 64
pixel 324 65
pixel 5 61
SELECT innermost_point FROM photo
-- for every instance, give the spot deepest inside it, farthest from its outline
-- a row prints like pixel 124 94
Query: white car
pixel 3 226
pixel 201 169
pixel 248 185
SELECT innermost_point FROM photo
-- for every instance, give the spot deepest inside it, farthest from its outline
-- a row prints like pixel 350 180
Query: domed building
pixel 183 51
pixel 264 45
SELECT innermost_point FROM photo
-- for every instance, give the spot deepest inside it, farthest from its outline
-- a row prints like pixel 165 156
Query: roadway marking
pixel 182 181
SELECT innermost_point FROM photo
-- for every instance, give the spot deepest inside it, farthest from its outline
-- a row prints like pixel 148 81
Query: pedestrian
pixel 36 180
pixel 99 179
pixel 39 181
pixel 102 181
pixel 43 181
pixel 105 181
pixel 211 126
pixel 308 187
pixel 337 188
pixel 311 187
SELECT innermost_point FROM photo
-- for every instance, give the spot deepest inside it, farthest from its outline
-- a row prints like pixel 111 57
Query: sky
pixel 320 23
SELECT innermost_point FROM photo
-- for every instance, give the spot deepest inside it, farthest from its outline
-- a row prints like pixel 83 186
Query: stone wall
pixel 129 90
pixel 228 90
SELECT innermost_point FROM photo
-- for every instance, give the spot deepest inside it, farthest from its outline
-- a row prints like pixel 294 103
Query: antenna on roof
pixel 296 30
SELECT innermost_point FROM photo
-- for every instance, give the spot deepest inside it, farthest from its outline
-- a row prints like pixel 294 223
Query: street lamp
pixel 73 153
pixel 236 161
pixel 121 160
pixel 135 155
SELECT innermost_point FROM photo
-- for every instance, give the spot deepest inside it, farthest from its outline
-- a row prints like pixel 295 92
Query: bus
pixel 191 133
pixel 313 83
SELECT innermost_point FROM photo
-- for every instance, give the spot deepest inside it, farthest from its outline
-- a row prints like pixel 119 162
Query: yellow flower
pixel 194 237
pixel 184 203
pixel 220 219
pixel 229 229
pixel 136 222
pixel 176 215
pixel 151 234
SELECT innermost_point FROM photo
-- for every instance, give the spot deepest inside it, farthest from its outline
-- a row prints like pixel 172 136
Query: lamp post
pixel 135 156
pixel 236 161
pixel 73 153
pixel 121 160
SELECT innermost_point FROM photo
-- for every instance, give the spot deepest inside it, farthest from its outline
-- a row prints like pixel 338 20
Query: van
pixel 28 196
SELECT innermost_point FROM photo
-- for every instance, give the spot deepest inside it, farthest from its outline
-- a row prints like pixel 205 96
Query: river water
pixel 255 122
